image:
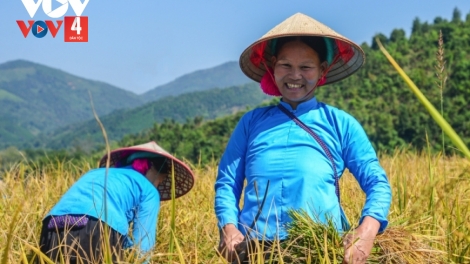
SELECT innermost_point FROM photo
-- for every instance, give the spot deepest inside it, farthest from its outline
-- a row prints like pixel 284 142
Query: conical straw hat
pixel 184 178
pixel 302 25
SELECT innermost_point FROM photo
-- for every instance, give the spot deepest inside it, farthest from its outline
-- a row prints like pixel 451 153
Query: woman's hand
pixel 230 237
pixel 358 245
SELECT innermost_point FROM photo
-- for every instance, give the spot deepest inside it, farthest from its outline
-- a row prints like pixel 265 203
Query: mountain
pixel 225 75
pixel 376 96
pixel 207 104
pixel 35 98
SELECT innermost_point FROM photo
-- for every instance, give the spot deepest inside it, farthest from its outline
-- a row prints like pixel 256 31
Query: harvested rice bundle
pixel 313 242
pixel 398 245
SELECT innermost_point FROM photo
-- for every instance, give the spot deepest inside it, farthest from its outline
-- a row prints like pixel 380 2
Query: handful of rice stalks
pixel 314 242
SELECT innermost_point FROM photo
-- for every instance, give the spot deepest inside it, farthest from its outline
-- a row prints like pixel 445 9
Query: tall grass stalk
pixel 173 213
pixel 42 258
pixel 442 78
pixel 107 247
pixel 178 249
pixel 431 186
pixel 10 234
pixel 431 109
pixel 441 75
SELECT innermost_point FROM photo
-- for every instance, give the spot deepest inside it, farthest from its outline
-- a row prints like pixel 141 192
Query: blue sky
pixel 138 45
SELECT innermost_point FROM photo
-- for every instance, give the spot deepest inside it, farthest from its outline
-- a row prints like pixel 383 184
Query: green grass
pixel 4 95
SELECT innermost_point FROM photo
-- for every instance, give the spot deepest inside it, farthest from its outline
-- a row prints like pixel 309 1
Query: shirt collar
pixel 304 106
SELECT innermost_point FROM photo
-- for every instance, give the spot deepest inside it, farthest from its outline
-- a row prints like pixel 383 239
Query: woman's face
pixel 297 69
pixel 155 177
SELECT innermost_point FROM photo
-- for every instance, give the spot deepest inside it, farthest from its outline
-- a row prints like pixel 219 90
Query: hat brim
pixel 184 177
pixel 302 25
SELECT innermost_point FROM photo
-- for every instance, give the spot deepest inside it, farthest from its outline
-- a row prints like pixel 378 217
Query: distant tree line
pixel 376 95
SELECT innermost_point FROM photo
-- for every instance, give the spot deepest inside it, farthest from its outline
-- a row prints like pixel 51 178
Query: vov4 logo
pixel 75 28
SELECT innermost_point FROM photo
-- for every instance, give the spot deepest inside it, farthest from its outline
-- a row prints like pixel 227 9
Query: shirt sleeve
pixel 361 160
pixel 145 223
pixel 231 175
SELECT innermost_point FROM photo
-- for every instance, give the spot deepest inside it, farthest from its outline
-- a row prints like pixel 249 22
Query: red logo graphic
pixel 50 25
pixel 76 29
pixel 25 30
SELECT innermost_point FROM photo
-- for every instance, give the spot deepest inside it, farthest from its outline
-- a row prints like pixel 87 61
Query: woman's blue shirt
pixel 267 145
pixel 130 197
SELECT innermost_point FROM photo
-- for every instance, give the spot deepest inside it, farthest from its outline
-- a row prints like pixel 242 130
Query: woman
pixel 293 154
pixel 129 192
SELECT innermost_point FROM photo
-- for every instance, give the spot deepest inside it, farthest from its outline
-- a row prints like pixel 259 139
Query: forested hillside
pixel 383 103
pixel 376 96
pixel 35 98
pixel 207 105
pixel 225 75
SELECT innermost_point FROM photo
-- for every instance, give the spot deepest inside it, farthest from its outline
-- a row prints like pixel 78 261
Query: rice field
pixel 430 204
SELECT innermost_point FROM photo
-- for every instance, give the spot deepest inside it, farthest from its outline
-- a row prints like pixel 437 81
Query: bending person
pixel 128 192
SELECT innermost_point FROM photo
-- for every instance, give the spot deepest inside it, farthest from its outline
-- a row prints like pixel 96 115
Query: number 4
pixel 76 25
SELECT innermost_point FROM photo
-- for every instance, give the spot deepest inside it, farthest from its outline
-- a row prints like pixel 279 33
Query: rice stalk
pixel 178 249
pixel 315 242
pixel 398 245
pixel 107 247
pixel 41 256
pixel 310 239
pixel 10 233
pixel 23 257
pixel 173 213
pixel 431 187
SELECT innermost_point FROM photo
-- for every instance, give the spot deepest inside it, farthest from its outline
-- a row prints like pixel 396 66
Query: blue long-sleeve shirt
pixel 267 145
pixel 130 198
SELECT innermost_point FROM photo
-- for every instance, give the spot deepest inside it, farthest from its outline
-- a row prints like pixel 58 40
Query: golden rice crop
pixel 419 225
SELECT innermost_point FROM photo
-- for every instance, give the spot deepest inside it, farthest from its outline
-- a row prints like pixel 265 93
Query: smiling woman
pixel 293 154
pixel 297 68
